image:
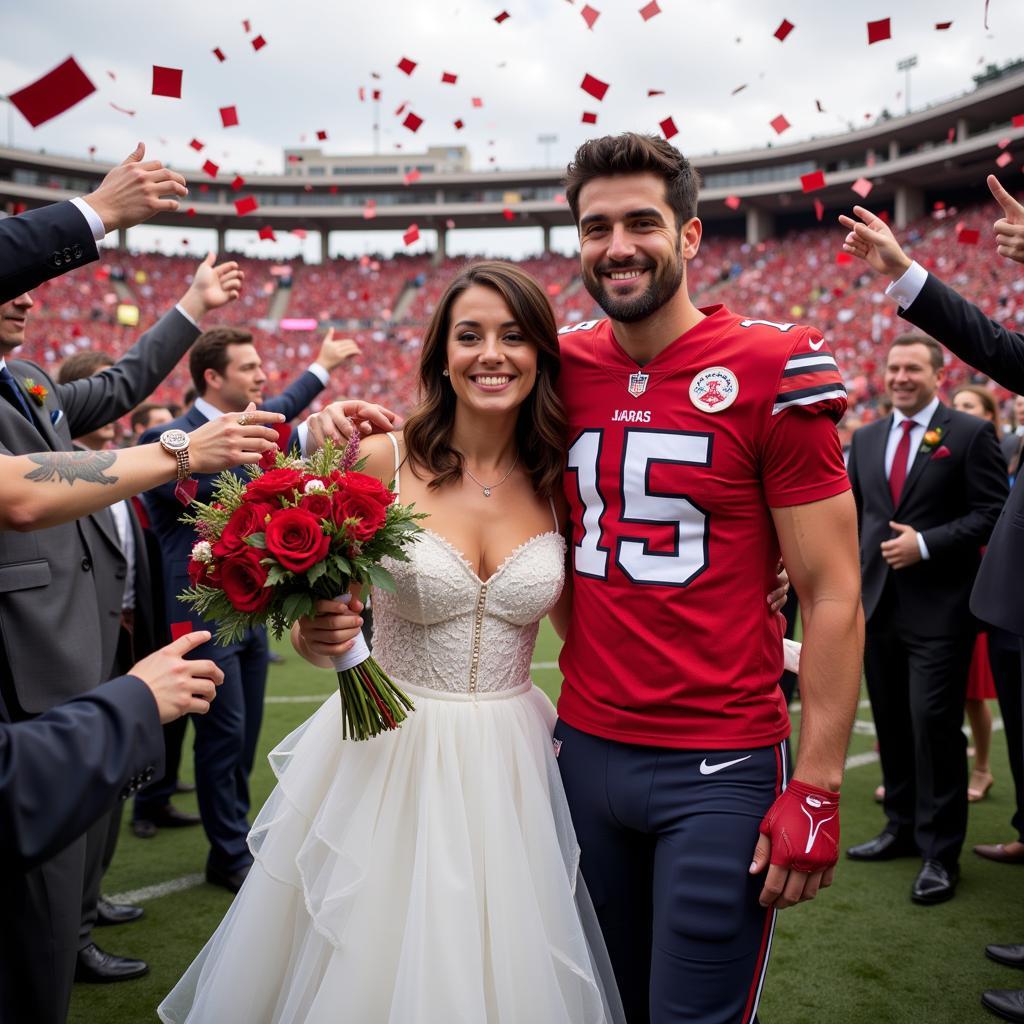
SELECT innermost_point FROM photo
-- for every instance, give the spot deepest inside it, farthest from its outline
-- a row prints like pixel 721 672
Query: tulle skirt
pixel 428 876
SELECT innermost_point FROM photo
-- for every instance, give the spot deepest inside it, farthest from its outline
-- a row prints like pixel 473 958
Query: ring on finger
pixel 243 420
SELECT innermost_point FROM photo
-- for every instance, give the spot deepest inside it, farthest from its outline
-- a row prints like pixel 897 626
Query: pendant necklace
pixel 487 488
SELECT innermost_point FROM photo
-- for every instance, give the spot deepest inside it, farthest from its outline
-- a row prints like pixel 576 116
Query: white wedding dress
pixel 429 875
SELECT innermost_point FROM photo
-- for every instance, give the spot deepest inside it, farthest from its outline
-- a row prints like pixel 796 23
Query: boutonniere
pixel 37 391
pixel 932 438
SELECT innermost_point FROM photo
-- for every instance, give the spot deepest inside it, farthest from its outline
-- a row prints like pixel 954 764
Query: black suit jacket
pixel 988 346
pixel 62 771
pixel 952 499
pixel 41 244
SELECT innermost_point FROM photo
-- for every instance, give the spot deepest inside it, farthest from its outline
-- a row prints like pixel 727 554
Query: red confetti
pixel 447 78
pixel 58 90
pixel 190 212
pixel 401 109
pixel 219 54
pixel 508 214
pixel 590 15
pixel 258 43
pixel 376 94
pixel 843 258
pixel 862 187
pixel 362 94
pixel 228 117
pixel 406 65
pixel 813 181
pixel 238 183
pixel 967 236
pixel 504 16
pixel 197 145
pixel 1003 159
pixel 167 82
pixel 299 232
pixel 733 202
pixel 588 117
pixel 951 135
pixel 941 26
pixel 655 92
pixel 1003 143
pixel 247 25
pixel 123 110
pixel 370 209
pixel 879 31
pixel 780 124
pixel 411 235
pixel 411 176
pixel 594 86
pixel 649 11
pixel 246 205
pixel 784 29
pixel 668 128
pixel 267 233
pixel 1017 121
pixel 459 124
pixel 477 102
pixel 412 122
pixel 819 209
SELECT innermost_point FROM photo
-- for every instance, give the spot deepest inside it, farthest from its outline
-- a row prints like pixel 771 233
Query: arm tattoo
pixel 72 466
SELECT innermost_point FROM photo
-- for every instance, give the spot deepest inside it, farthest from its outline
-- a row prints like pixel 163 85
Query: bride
pixel 431 874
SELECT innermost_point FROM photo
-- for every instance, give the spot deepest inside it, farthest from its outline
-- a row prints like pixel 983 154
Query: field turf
pixel 861 953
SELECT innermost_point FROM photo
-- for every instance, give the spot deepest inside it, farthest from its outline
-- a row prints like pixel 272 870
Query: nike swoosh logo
pixel 816 344
pixel 710 769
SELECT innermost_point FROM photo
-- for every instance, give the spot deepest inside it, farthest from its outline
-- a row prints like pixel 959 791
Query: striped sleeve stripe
pixel 807 358
pixel 821 364
pixel 809 396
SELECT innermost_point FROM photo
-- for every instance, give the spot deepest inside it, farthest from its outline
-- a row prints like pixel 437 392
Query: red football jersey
pixel 672 471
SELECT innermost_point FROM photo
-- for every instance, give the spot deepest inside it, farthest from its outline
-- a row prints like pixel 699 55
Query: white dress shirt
pixel 921 420
pixel 122 523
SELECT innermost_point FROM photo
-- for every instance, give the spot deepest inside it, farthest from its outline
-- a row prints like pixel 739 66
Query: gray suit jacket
pixel 61 588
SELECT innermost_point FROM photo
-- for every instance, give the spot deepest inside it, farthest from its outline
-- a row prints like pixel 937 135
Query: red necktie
pixel 898 473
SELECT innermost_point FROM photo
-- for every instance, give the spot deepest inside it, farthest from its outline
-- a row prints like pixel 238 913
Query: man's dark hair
pixel 83 364
pixel 935 354
pixel 210 352
pixel 140 415
pixel 632 153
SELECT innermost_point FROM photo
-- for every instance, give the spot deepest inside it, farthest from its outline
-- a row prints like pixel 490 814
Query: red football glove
pixel 803 826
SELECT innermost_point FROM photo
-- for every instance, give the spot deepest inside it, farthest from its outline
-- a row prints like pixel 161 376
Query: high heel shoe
pixel 980 784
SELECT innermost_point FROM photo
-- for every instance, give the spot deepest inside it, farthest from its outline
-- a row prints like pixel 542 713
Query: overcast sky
pixel 526 70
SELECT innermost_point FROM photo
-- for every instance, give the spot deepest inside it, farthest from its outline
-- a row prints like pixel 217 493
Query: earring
pixel 445 373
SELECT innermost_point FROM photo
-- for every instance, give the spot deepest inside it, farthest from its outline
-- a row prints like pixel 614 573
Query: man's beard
pixel 664 285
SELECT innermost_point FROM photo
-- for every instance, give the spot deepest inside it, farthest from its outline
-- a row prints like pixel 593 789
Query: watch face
pixel 175 440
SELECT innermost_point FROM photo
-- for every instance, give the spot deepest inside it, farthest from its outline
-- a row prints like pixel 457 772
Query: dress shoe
pixel 184 787
pixel 935 883
pixel 170 817
pixel 1011 956
pixel 116 913
pixel 230 880
pixel 96 966
pixel 143 828
pixel 885 846
pixel 1006 1003
pixel 1002 853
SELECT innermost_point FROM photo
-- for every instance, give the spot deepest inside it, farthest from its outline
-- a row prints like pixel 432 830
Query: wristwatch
pixel 176 443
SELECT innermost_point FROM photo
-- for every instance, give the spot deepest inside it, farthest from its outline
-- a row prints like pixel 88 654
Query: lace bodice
pixel 446 629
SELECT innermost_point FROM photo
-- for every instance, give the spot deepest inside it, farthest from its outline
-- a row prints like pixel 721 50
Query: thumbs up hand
pixel 1009 229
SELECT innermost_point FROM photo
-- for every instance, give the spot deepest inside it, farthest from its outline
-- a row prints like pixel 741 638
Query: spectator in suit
pixel 227 373
pixel 44 243
pixel 78 757
pixel 998 352
pixel 928 482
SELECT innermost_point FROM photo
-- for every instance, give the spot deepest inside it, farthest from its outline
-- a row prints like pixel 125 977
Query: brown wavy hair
pixel 988 402
pixel 541 427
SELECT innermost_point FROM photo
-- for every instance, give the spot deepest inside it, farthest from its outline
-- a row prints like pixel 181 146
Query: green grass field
pixel 861 952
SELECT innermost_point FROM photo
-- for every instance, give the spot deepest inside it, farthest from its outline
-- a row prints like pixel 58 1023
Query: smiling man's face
pixel 13 319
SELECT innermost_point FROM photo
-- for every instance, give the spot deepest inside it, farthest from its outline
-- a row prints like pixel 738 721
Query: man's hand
pixel 336 422
pixel 1009 228
pixel 778 597
pixel 871 240
pixel 333 352
pixel 903 549
pixel 212 287
pixel 226 442
pixel 180 687
pixel 800 840
pixel 133 191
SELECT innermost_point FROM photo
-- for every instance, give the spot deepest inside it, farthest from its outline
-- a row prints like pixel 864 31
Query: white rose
pixel 314 487
pixel 202 552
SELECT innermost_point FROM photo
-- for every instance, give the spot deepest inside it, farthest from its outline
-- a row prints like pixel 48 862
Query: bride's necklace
pixel 487 488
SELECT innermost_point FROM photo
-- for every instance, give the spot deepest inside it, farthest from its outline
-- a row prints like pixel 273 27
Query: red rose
pixel 296 539
pixel 247 519
pixel 276 483
pixel 370 486
pixel 317 505
pixel 363 507
pixel 196 572
pixel 242 578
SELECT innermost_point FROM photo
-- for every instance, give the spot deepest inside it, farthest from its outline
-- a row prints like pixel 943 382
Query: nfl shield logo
pixel 638 383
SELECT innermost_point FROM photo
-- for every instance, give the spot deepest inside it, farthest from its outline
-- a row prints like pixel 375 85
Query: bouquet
pixel 296 531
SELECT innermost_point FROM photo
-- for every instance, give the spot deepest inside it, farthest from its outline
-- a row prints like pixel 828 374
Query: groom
pixel 700 445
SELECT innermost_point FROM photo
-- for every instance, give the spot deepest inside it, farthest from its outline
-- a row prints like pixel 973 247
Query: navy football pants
pixel 666 850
